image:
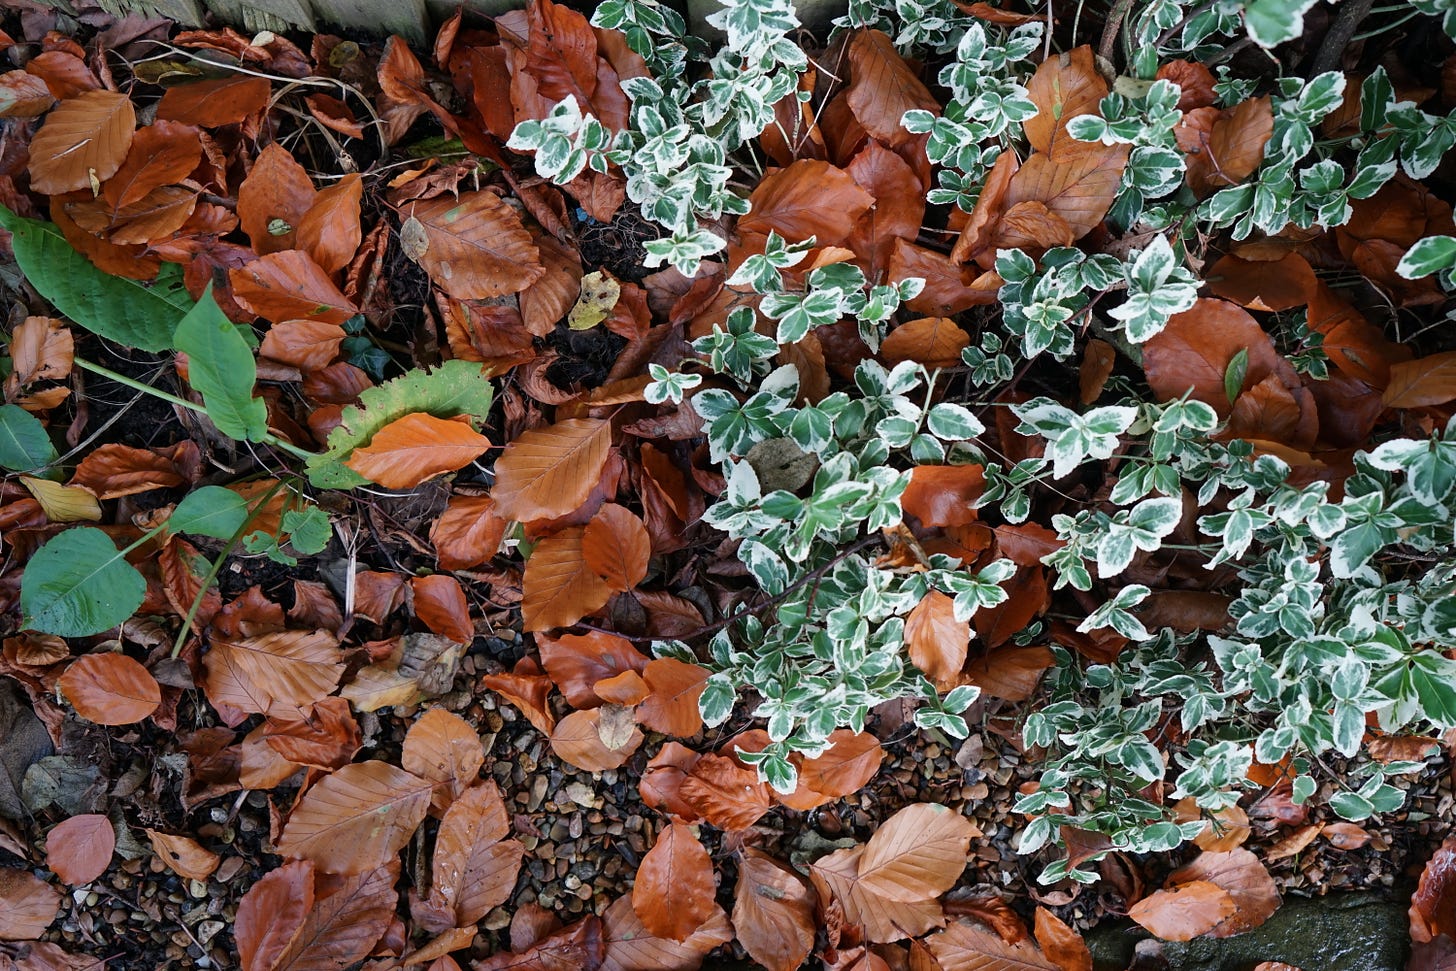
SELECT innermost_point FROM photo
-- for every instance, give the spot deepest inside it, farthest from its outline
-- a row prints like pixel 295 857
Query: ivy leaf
pixel 221 367
pixel 79 584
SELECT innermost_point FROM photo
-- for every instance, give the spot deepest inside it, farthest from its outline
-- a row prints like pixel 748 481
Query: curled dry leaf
pixel 184 855
pixel 968 947
pixel 773 912
pixel 1433 905
pixel 1238 871
pixel 529 690
pixel 1062 946
pixel 631 946
pixel 27 905
pixel 357 819
pixel 674 890
pixel 83 142
pixel 577 662
pixel 78 850
pixel 443 749
pixel 1187 911
pixel 578 741
pixel 110 689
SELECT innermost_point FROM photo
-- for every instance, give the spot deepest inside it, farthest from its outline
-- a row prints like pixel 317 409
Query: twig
pixel 1338 37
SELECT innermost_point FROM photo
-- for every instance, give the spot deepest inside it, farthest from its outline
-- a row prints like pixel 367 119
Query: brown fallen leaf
pixel 1187 911
pixel 773 912
pixel 674 890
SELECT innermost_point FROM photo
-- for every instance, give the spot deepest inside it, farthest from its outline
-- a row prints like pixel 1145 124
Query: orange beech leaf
pixel 807 198
pixel 578 741
pixel 357 819
pixel 557 587
pixel 997 15
pixel 676 687
pixel 627 688
pixel 1185 912
pixel 992 911
pixel 309 345
pixel 529 690
pixel 113 471
pixel 27 905
pixel 1263 284
pixel 1429 380
pixel 278 672
pixel 441 606
pixel 215 102
pixel 917 854
pixel 937 641
pixel 883 87
pixel 110 689
pixel 475 246
pixel 1247 881
pixel 158 215
pixel 577 662
pixel 1345 836
pixel 836 877
pixel 1009 673
pixel 935 342
pixel 944 495
pixel 161 153
pixel 850 762
pixel 468 533
pixel 1027 543
pixel 1195 83
pixel 1063 87
pixel 1077 185
pixel 78 850
pixel 542 944
pixel 545 302
pixel 1098 359
pixel 41 349
pixel 616 547
pixel 329 230
pixel 562 51
pixel 442 748
pixel 949 288
pixel 968 947
pixel 1063 946
pixel 548 472
pixel 1224 147
pixel 725 793
pixel 674 890
pixel 327 738
pixel 631 946
pixel 1433 905
pixel 773 912
pixel 978 236
pixel 127 261
pixel 346 921
pixel 289 286
pixel 334 115
pixel 1292 844
pixel 83 142
pixel 183 855
pixel 183 569
pixel 415 448
pixel 661 783
pixel 475 866
pixel 1027 595
pixel 273 199
pixel 23 95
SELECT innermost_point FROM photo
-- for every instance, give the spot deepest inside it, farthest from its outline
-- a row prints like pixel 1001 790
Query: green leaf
pixel 1233 378
pixel 308 529
pixel 139 314
pixel 454 388
pixel 220 366
pixel 209 511
pixel 1427 256
pixel 79 584
pixel 24 444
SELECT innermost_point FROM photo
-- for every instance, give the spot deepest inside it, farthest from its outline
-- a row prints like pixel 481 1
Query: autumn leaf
pixel 273 199
pixel 1224 147
pixel 29 905
pixel 475 866
pixel 289 286
pixel 78 849
pixel 725 793
pixel 631 946
pixel 329 230
pixel 1011 673
pixel 529 690
pixel 936 640
pixel 345 923
pixel 773 912
pixel 672 708
pixel 883 87
pixel 475 246
pixel 443 749
pixel 1077 185
pixel 183 855
pixel 836 877
pixel 916 854
pixel 935 342
pixel 1429 380
pixel 216 101
pixel 578 741
pixel 548 472
pixel 1433 905
pixel 419 446
pixel 110 689
pixel 1280 284
pixel 278 670
pixel 162 153
pixel 441 606
pixel 944 495
pixel 1064 86
pixel 1187 911
pixel 113 471
pixel 1062 946
pixel 849 763
pixel 674 890
pixel 83 142
pixel 616 547
pixel 468 532
pixel 557 586
pixel 577 662
pixel 356 819
pixel 310 345
pixel 967 947
pixel 807 198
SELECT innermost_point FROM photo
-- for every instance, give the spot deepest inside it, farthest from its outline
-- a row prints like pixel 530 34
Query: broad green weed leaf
pixel 141 315
pixel 220 366
pixel 209 511
pixel 79 584
pixel 24 444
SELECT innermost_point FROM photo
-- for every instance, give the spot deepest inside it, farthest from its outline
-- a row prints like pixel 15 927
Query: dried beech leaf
pixel 674 890
pixel 773 912
pixel 83 142
pixel 110 689
pixel 78 850
pixel 357 819
pixel 916 854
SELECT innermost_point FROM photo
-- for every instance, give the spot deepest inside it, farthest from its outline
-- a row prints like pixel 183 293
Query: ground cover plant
pixel 589 418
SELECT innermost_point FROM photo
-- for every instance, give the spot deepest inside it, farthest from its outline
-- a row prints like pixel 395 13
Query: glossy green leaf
pixel 79 584
pixel 221 367
pixel 24 444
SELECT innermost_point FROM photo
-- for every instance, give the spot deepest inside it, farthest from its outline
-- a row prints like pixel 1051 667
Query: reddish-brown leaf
pixel 346 921
pixel 23 95
pixel 529 690
pixel 289 286
pixel 943 495
pixel 1429 380
pixel 632 947
pixel 937 641
pixel 468 532
pixel 557 587
pixel 1010 673
pixel 883 88
pixel 27 905
pixel 1077 185
pixel 1224 147
pixel 935 342
pixel 725 793
pixel 183 855
pixel 674 891
pixel 1063 946
pixel 1263 284
pixel 916 854
pixel 1185 912
pixel 110 689
pixel 443 749
pixel 271 913
pixel 78 850
pixel 475 245
pixel 357 819
pixel 1064 86
pixel 161 154
pixel 773 912
pixel 1247 881
pixel 548 472
pixel 309 345
pixel 83 142
pixel 278 672
pixel 672 709
pixel 273 199
pixel 545 302
pixel 897 213
pixel 883 920
pixel 417 447
pixel 662 780
pixel 475 866
pixel 616 547
pixel 1433 906
pixel 441 606
pixel 113 471
pixel 329 231
pixel 211 103
pixel 1027 595
pixel 968 947
pixel 807 198
pixel 577 662
pixel 578 741
pixel 850 763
